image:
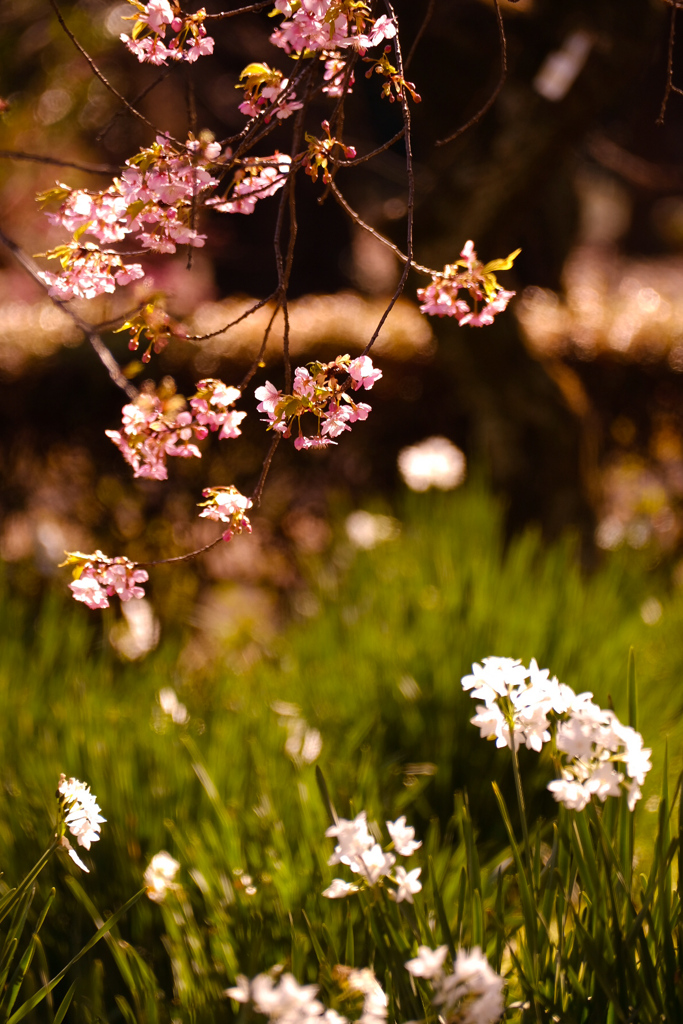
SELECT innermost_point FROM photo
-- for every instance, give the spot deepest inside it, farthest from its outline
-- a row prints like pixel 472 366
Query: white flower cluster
pixel 159 876
pixel 284 1001
pixel 357 848
pixel 375 1003
pixel 471 994
pixel 80 813
pixel 525 705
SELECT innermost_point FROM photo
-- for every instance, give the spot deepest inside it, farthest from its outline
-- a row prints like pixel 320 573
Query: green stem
pixel 522 808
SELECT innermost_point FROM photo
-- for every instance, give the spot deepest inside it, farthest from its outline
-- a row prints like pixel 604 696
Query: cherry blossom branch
pixel 411 186
pixel 105 82
pixel 375 152
pixel 261 352
pixel 14 154
pixel 431 7
pixel 670 87
pixel 243 316
pixel 140 96
pixel 258 490
pixel 357 219
pixel 501 81
pixel 91 332
pixel 239 10
pixel 183 558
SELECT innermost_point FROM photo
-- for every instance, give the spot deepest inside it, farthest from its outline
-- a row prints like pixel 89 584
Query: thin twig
pixel 140 96
pixel 357 219
pixel 242 316
pixel 91 332
pixel 261 352
pixel 420 32
pixel 411 185
pixel 183 558
pixel 669 87
pixel 14 154
pixel 501 81
pixel 258 490
pixel 240 10
pixel 375 152
pixel 105 82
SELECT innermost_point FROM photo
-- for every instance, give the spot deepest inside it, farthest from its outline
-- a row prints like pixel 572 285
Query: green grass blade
pixel 65 1004
pixel 441 911
pixel 38 996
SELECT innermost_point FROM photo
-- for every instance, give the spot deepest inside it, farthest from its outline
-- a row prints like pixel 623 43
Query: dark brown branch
pixel 12 154
pixel 183 558
pixel 240 10
pixel 375 152
pixel 243 316
pixel 669 87
pixel 501 81
pixel 140 96
pixel 357 219
pixel 90 331
pixel 261 352
pixel 105 82
pixel 411 186
pixel 420 32
pixel 258 490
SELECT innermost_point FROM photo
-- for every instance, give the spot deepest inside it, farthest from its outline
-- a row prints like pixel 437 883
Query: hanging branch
pixel 89 330
pixel 105 82
pixel 15 154
pixel 494 95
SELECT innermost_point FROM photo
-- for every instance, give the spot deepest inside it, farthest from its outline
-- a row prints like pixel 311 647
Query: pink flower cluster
pixel 189 42
pixel 258 177
pixel 97 578
pixel 211 407
pixel 469 276
pixel 266 90
pixel 157 425
pixel 319 389
pixel 335 70
pixel 87 272
pixel 227 505
pixel 152 199
pixel 160 185
pixel 326 24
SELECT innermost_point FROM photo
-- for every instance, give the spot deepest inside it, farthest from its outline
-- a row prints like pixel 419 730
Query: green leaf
pixel 528 907
pixel 325 794
pixel 441 911
pixel 348 951
pixel 65 1004
pixel 38 996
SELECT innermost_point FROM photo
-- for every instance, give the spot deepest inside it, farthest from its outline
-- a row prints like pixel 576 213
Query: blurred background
pixel 359 601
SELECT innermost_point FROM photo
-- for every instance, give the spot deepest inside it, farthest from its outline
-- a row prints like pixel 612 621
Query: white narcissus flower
pixel 407 884
pixel 428 963
pixel 338 888
pixel 403 836
pixel 374 863
pixel 160 874
pixel 81 811
pixel 241 992
pixel 353 839
pixel 474 989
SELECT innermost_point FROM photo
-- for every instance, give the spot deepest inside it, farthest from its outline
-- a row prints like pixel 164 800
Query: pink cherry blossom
pixel 227 505
pixel 98 578
pixel 363 373
pixel 467 276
